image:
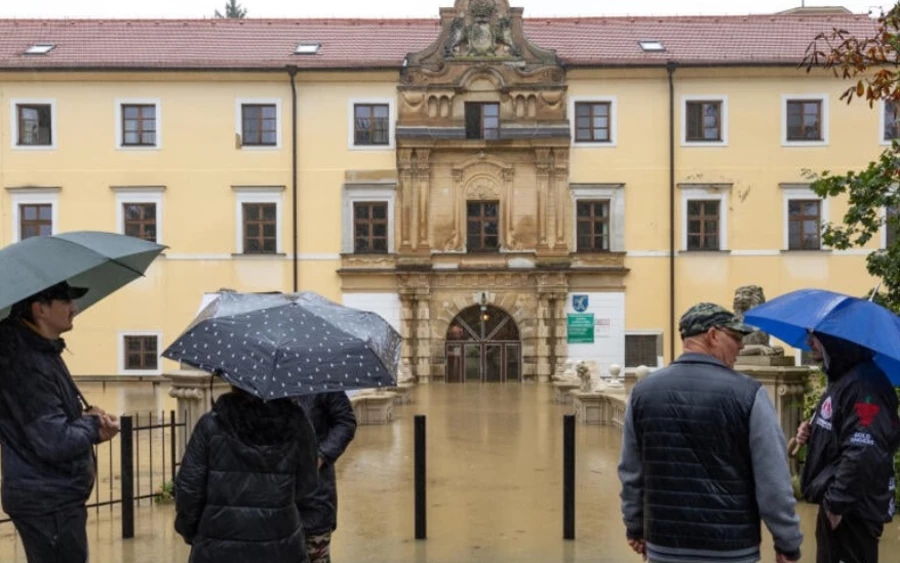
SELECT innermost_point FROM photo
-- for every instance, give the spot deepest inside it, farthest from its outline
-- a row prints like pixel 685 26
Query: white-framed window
pixel 643 348
pixel 34 212
pixel 805 215
pixel 138 123
pixel 367 221
pixel 804 120
pixel 588 199
pixel 704 217
pixel 372 124
pixel 139 211
pixel 704 121
pixel 888 122
pixel 139 352
pixel 593 121
pixel 258 219
pixel 257 122
pixel 33 123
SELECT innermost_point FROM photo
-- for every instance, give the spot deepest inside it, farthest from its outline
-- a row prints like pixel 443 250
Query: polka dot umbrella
pixel 276 345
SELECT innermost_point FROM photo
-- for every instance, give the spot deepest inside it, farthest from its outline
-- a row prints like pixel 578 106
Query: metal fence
pixel 143 458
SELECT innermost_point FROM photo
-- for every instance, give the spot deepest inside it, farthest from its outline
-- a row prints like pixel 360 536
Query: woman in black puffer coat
pixel 245 467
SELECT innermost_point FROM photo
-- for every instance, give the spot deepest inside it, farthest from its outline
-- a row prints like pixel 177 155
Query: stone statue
pixel 756 344
pixel 568 372
pixel 505 37
pixel 456 37
pixel 404 374
pixel 584 374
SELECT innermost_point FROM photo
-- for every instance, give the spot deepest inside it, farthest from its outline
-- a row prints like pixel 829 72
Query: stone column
pixel 422 176
pixel 559 191
pixel 408 329
pixel 542 167
pixel 405 207
pixel 544 338
pixel 423 337
pixel 191 389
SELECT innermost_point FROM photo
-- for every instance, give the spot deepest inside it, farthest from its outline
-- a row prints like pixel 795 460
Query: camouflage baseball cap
pixel 704 316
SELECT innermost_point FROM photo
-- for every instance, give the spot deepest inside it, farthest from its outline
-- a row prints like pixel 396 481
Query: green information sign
pixel 580 328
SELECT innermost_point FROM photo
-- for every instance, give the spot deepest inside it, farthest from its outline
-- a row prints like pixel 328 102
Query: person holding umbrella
pixel 246 466
pixel 47 429
pixel 855 431
pixel 849 469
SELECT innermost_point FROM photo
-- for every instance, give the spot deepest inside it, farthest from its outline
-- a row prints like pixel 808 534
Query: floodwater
pixel 494 465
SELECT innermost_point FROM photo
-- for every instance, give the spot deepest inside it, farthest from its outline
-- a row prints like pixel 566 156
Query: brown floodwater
pixel 494 464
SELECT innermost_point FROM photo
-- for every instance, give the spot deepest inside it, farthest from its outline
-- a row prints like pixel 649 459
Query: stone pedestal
pixel 374 407
pixel 402 393
pixel 562 391
pixel 604 408
pixel 195 397
pixel 785 384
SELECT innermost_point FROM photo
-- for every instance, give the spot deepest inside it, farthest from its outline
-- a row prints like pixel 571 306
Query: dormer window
pixel 482 120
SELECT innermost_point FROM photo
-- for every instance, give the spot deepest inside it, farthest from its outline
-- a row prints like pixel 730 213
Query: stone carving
pixel 404 374
pixel 482 32
pixel 756 344
pixel 614 381
pixel 584 374
pixel 568 372
pixel 483 188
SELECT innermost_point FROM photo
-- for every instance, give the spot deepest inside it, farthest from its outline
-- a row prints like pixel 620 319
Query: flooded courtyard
pixel 494 463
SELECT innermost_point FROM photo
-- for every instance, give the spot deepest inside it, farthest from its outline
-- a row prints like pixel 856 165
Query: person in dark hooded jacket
pixel 335 423
pixel 47 430
pixel 852 439
pixel 246 465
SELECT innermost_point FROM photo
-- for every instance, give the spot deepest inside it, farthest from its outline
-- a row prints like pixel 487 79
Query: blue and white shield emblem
pixel 580 303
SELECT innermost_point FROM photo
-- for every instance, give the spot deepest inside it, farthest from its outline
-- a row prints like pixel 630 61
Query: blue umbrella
pixel 792 316
pixel 99 261
pixel 276 345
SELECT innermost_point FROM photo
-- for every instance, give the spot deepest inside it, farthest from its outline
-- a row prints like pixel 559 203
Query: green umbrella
pixel 101 262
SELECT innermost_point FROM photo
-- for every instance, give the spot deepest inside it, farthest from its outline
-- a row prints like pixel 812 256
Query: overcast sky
pixel 398 8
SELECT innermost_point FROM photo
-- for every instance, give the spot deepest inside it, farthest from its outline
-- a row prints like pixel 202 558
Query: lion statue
pixel 757 343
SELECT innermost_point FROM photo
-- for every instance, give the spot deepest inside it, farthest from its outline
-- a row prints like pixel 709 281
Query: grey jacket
pixel 771 481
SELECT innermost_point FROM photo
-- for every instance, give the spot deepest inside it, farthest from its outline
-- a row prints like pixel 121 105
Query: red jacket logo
pixel 866 411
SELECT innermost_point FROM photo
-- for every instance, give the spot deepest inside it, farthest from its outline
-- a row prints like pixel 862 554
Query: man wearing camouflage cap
pixel 703 455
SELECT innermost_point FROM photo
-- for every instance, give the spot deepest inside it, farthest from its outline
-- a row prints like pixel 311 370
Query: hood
pixel 267 430
pixel 842 355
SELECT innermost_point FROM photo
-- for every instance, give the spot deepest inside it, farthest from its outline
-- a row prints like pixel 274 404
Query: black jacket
pixel 335 423
pixel 246 465
pixel 692 421
pixel 855 432
pixel 47 455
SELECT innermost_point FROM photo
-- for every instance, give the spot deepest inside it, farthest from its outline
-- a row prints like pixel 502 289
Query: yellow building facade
pixel 507 192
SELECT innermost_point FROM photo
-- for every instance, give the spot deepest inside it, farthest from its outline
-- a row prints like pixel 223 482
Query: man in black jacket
pixel 333 419
pixel 849 469
pixel 703 455
pixel 45 431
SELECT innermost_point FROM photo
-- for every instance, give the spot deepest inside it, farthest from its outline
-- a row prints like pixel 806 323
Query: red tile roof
pixel 365 43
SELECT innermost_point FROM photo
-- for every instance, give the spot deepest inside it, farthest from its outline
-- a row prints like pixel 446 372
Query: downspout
pixel 670 70
pixel 292 71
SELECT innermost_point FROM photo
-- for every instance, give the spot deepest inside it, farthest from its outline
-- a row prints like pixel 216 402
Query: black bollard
pixel 127 475
pixel 569 477
pixel 419 471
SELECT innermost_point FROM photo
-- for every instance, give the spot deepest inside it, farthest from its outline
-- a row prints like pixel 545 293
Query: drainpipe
pixel 670 70
pixel 292 71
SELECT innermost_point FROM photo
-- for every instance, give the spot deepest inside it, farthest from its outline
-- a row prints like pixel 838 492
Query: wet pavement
pixel 494 455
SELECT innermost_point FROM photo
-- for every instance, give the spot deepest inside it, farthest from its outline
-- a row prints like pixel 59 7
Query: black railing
pixel 157 468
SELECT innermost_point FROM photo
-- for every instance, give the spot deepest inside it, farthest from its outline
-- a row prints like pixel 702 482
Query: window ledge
pixel 704 252
pixel 807 251
pixel 258 255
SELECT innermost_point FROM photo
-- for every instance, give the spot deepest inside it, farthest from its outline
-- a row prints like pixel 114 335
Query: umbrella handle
pixel 793 447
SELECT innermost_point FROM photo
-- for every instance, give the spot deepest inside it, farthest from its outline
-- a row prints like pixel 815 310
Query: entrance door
pixel 483 346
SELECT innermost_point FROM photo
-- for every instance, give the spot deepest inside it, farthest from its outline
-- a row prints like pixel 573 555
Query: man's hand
pixel 95 411
pixel 109 423
pixel 833 519
pixel 639 547
pixel 782 558
pixel 802 433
